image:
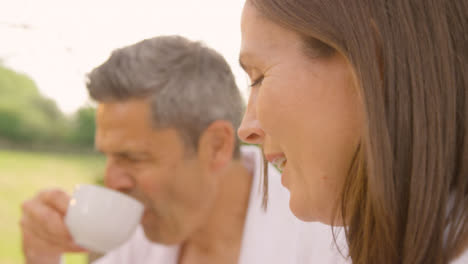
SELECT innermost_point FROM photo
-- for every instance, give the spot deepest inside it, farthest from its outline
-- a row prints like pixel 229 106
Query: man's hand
pixel 45 235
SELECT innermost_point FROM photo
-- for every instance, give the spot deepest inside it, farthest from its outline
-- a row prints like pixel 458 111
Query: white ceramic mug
pixel 101 219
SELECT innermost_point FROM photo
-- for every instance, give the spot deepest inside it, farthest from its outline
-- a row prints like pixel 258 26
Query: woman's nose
pixel 250 130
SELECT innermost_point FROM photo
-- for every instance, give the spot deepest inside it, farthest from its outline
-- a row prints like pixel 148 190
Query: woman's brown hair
pixel 406 197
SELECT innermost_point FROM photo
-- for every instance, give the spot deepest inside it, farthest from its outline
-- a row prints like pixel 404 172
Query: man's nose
pixel 117 177
pixel 250 130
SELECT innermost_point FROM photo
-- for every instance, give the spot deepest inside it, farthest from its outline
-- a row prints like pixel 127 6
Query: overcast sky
pixel 56 42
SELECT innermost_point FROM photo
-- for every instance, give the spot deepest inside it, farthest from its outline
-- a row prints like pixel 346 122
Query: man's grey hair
pixel 188 85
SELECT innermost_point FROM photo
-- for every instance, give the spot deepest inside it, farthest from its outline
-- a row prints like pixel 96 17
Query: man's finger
pixel 46 222
pixel 55 198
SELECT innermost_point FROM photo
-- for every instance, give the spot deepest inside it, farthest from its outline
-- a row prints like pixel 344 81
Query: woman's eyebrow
pixel 247 60
pixel 242 63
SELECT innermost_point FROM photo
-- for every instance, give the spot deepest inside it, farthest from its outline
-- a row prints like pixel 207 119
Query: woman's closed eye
pixel 257 81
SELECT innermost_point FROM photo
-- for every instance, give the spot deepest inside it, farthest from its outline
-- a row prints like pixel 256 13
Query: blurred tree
pixel 83 127
pixel 27 118
pixel 19 122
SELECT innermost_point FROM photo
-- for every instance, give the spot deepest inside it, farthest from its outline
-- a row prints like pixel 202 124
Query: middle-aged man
pixel 166 121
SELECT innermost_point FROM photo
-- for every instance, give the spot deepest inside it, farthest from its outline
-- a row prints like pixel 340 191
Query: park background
pixel 46 118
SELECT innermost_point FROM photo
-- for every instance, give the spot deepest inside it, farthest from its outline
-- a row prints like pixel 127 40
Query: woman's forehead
pixel 261 38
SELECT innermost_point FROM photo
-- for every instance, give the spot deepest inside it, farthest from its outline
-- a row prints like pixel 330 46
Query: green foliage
pixel 83 127
pixel 16 85
pixel 27 118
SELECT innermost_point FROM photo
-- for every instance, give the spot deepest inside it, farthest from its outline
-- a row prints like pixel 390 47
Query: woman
pixel 363 106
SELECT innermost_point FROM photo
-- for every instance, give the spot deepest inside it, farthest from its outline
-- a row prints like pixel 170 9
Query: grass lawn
pixel 22 174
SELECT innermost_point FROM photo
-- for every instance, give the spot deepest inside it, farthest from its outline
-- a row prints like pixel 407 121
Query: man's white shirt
pixel 271 236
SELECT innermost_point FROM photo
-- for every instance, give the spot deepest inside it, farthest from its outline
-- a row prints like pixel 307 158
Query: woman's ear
pixel 216 145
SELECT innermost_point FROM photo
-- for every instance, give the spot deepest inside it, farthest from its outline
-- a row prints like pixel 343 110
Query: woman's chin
pixel 300 211
pixel 305 214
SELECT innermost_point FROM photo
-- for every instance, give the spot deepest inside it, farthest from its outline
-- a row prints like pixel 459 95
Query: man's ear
pixel 216 145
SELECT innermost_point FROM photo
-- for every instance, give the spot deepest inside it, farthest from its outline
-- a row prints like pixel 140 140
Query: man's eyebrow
pixel 132 154
pixel 125 153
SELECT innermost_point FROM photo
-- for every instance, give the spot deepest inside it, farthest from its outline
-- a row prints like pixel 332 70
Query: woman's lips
pixel 277 159
pixel 280 161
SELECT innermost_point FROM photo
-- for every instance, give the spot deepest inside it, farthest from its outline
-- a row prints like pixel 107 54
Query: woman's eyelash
pixel 256 82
